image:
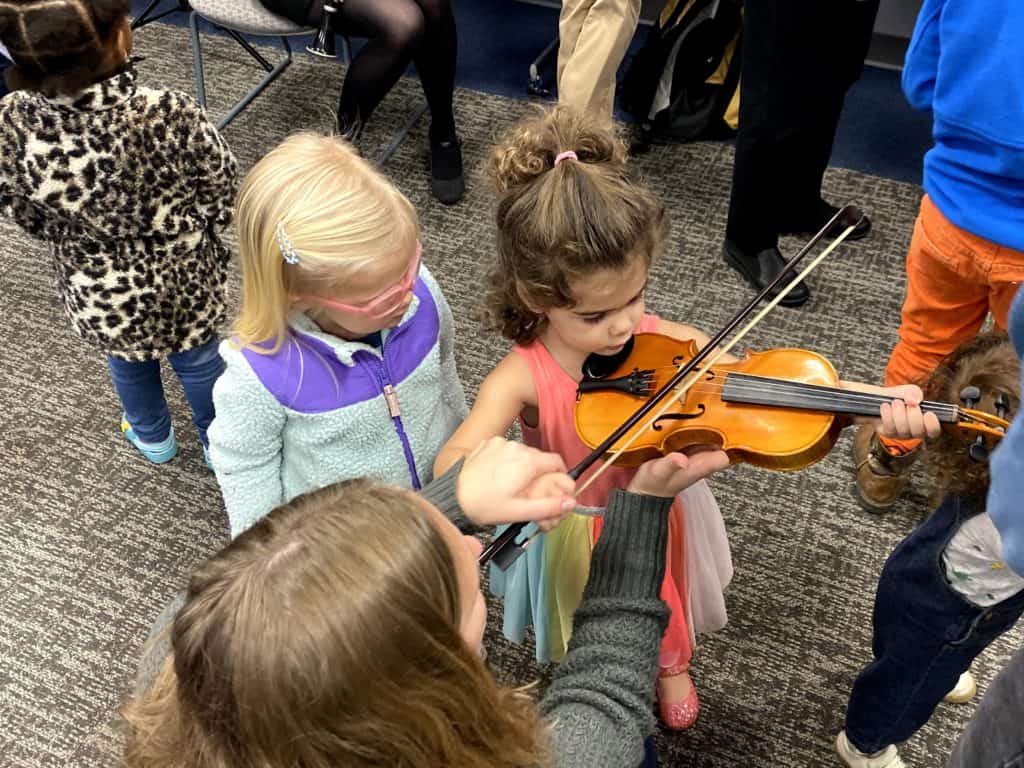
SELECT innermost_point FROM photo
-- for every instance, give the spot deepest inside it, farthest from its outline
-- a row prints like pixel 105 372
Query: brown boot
pixel 881 476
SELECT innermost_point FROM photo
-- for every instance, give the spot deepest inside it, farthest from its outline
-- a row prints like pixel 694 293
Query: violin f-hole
pixel 678 417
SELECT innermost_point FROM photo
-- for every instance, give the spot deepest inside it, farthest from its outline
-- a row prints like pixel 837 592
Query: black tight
pixel 398 31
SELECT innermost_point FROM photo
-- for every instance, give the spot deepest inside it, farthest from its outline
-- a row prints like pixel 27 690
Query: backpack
pixel 683 84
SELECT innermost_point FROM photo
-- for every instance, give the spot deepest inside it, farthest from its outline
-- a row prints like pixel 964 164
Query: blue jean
pixel 650 754
pixel 4 64
pixel 141 390
pixel 994 738
pixel 925 636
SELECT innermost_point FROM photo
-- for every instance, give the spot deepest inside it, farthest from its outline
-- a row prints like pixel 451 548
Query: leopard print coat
pixel 130 187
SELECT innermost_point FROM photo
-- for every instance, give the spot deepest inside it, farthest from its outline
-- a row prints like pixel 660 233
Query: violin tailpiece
pixel 638 382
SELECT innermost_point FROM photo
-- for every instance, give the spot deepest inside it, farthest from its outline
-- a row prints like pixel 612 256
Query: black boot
pixel 446 180
pixel 761 268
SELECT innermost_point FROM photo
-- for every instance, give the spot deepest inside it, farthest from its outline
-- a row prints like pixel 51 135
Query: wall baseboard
pixel 887 51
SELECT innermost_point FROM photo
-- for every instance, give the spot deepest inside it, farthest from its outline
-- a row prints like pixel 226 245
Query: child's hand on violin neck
pixel 507 482
pixel 903 419
pixel 675 472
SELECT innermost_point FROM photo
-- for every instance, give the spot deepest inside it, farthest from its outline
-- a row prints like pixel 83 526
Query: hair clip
pixel 287 251
pixel 570 155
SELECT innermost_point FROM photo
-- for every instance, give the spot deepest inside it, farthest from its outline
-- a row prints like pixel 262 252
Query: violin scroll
pixel 984 429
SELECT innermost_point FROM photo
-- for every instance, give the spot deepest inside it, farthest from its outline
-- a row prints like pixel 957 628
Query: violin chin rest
pixel 599 366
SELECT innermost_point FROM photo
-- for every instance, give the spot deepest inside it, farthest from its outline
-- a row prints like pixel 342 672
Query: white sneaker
pixel 887 758
pixel 966 688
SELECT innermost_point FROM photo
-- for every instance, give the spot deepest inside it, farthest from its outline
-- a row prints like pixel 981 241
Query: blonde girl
pixel 342 363
pixel 577 234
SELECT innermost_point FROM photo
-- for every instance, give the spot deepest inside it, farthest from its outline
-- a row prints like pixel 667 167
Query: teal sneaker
pixel 158 453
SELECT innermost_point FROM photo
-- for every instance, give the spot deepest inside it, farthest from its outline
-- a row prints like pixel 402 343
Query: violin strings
pixel 808 402
pixel 819 394
pixel 851 394
pixel 752 384
pixel 767 382
pixel 940 408
pixel 807 392
pixel 696 374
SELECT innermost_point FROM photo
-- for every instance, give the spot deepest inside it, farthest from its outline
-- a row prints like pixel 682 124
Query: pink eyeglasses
pixel 383 304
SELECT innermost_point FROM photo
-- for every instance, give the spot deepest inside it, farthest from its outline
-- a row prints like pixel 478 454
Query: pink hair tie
pixel 570 155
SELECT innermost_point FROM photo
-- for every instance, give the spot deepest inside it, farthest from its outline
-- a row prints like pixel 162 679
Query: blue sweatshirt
pixel 1006 490
pixel 965 63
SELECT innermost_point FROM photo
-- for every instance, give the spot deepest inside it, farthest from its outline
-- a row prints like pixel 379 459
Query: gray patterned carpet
pixel 94 541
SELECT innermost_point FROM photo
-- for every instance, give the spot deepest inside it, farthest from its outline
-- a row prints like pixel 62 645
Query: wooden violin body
pixel 781 409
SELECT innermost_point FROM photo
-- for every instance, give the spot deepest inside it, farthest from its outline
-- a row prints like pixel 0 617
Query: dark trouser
pixel 4 64
pixel 995 738
pixel 799 59
pixel 925 636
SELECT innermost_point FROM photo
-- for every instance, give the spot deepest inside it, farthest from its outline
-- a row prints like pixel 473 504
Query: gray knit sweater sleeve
pixel 441 493
pixel 599 703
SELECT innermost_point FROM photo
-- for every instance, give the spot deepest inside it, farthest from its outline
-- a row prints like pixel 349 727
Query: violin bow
pixel 505 549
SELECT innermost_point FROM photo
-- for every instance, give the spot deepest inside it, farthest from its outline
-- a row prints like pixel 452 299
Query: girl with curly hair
pixel 577 234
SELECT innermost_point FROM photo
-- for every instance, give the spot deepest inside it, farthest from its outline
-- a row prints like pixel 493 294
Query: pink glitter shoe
pixel 679 715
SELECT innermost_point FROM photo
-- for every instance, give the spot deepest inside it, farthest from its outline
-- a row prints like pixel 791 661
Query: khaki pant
pixel 594 36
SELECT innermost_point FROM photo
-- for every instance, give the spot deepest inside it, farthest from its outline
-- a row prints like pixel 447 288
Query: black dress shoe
pixel 446 179
pixel 809 225
pixel 760 269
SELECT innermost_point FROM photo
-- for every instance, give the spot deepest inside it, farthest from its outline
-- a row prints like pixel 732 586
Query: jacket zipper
pixel 395 411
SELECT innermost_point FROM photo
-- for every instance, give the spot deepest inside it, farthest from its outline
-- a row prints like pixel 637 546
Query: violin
pixel 780 409
pixel 811 431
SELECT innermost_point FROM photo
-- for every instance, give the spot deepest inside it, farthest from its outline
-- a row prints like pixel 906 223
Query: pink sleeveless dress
pixel 543 588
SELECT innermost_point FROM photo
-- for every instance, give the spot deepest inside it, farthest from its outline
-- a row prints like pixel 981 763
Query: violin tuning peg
pixel 969 396
pixel 1002 404
pixel 978 451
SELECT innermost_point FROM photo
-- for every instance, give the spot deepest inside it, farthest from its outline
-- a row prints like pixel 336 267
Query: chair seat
pixel 248 17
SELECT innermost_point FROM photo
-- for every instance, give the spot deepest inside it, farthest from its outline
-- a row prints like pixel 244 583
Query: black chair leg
pixel 148 16
pixel 536 86
pixel 273 71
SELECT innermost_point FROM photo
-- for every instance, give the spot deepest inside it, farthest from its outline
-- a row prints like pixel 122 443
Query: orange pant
pixel 954 279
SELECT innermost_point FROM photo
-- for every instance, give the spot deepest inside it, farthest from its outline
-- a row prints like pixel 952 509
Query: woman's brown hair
pixel 327 635
pixel 989 363
pixel 560 222
pixel 62 46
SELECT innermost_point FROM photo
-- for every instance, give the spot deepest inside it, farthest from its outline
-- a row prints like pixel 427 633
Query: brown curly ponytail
pixel 559 223
pixel 989 363
pixel 62 46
